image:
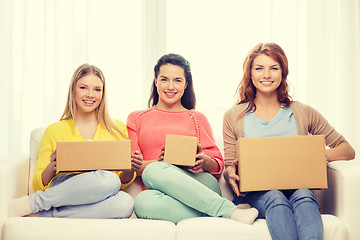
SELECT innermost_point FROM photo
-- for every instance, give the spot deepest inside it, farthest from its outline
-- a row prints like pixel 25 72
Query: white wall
pixel 43 41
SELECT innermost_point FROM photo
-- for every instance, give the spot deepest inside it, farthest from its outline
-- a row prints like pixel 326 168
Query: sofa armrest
pixel 342 197
pixel 14 177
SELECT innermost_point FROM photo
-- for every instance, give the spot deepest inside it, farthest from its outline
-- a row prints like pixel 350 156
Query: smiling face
pixel 170 84
pixel 266 74
pixel 88 93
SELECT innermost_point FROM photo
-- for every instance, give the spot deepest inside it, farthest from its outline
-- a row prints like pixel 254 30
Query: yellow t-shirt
pixel 65 130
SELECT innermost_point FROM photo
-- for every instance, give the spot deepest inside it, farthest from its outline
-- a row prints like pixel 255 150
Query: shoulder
pixel 198 114
pixel 135 117
pixel 139 113
pixel 298 107
pixel 120 124
pixel 234 111
pixel 60 125
pixel 60 128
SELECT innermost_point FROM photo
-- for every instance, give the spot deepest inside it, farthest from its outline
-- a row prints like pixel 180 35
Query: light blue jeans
pixel 86 195
pixel 290 214
pixel 175 194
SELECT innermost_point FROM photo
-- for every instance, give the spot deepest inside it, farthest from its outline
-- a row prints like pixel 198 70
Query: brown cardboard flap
pixel 180 150
pixel 282 163
pixel 93 155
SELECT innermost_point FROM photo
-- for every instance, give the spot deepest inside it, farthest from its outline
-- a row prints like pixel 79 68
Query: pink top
pixel 148 128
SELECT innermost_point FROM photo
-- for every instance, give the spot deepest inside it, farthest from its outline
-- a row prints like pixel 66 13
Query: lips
pixel 170 94
pixel 266 83
pixel 88 102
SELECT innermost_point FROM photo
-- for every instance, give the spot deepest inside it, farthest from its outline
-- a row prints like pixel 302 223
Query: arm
pixel 208 158
pixel 340 149
pixel 233 178
pixel 343 151
pixel 44 170
pixel 50 170
pixel 133 129
pixel 205 162
pixel 230 137
pixel 136 162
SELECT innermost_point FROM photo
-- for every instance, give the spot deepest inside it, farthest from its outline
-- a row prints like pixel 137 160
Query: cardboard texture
pixel 180 150
pixel 93 155
pixel 282 163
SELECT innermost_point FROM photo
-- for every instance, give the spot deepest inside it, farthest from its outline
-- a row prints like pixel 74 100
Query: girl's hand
pixel 204 161
pixel 52 164
pixel 160 158
pixel 136 161
pixel 232 178
pixel 50 170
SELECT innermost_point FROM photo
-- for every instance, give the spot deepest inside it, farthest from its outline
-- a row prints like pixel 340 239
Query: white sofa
pixel 340 202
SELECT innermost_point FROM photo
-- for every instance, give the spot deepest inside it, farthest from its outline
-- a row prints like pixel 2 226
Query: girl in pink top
pixel 175 193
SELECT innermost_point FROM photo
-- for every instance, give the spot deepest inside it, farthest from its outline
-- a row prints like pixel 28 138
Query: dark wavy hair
pixel 188 100
pixel 246 91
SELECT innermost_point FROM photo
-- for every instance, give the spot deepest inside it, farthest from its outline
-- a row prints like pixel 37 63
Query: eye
pixel 98 90
pixel 258 68
pixel 163 79
pixel 275 68
pixel 82 87
pixel 179 80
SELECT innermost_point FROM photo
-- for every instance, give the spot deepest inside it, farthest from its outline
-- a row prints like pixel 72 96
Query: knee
pixel 153 173
pixel 125 205
pixel 302 195
pixel 144 202
pixel 211 182
pixel 275 198
pixel 108 181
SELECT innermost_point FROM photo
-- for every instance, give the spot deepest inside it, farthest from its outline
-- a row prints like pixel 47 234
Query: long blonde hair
pixel 101 111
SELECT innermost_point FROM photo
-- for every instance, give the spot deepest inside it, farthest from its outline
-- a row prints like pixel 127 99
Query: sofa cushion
pixel 32 228
pixel 217 228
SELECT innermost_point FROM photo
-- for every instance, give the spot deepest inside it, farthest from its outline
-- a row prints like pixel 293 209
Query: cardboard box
pixel 93 155
pixel 282 163
pixel 180 150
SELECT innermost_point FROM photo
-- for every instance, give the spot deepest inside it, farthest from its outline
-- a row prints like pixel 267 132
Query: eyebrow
pixel 277 65
pixel 162 76
pixel 83 84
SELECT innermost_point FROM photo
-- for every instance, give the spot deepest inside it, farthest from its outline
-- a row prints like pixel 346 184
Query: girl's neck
pixel 171 108
pixel 266 101
pixel 267 107
pixel 85 118
pixel 86 124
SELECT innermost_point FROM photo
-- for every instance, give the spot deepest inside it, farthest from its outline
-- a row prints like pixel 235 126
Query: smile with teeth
pixel 266 83
pixel 170 94
pixel 89 101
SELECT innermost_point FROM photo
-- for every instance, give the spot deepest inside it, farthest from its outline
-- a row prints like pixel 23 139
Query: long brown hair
pixel 246 91
pixel 101 111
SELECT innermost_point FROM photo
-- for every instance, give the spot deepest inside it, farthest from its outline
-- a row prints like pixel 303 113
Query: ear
pixel 155 81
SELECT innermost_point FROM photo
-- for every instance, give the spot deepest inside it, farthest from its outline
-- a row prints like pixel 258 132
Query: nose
pixel 171 85
pixel 267 74
pixel 90 94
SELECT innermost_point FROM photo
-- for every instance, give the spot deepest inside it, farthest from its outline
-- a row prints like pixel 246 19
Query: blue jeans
pixel 290 214
pixel 86 195
pixel 175 194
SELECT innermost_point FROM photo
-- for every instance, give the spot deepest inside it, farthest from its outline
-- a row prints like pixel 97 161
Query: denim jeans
pixel 290 214
pixel 86 195
pixel 175 194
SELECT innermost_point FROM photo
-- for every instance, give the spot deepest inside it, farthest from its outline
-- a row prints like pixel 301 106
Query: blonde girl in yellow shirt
pixel 94 194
